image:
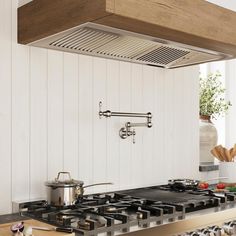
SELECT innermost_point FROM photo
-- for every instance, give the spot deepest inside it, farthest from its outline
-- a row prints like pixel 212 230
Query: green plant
pixel 212 101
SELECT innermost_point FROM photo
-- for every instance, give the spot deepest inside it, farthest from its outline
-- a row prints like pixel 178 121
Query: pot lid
pixel 69 182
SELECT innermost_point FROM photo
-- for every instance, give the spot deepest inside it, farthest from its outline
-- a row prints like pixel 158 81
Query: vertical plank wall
pixel 49 119
pixel 230 126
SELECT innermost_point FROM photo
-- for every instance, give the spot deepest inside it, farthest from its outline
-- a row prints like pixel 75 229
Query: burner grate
pixel 120 211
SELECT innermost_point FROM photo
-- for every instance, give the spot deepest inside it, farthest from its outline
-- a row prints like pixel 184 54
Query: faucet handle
pixel 100 110
pixel 133 134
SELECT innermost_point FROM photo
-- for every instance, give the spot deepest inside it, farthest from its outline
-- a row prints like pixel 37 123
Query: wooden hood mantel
pixel 195 23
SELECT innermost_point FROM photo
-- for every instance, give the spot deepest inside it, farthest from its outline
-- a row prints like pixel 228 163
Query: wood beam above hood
pixel 196 23
pixel 41 18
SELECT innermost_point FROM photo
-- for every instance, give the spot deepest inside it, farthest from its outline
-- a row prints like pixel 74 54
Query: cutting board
pixel 5 229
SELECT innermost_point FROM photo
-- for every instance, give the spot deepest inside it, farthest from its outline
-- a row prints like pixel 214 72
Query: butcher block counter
pixel 5 229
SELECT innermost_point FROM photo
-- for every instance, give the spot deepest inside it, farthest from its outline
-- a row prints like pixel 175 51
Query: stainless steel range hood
pixel 166 34
pixel 107 42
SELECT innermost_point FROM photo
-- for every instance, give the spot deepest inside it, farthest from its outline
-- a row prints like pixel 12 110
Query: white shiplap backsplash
pixel 49 119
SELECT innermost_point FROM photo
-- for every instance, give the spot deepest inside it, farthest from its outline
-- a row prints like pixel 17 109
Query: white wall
pixel 230 70
pixel 23 2
pixel 229 4
pixel 49 119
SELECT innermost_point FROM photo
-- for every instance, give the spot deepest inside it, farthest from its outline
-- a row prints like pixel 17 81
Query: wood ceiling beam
pixel 197 23
pixel 41 18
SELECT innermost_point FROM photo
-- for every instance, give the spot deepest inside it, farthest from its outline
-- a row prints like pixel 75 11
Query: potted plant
pixel 212 104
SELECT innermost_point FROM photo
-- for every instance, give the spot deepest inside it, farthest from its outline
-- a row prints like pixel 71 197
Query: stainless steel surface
pixel 215 230
pixel 97 184
pixel 210 224
pixel 58 229
pixel 80 191
pixel 147 223
pixel 66 192
pixel 58 182
pixel 230 228
pixel 126 131
pixel 19 206
pixel 43 228
pixel 103 41
pixel 62 196
pixel 63 192
pixel 123 114
pixel 185 183
pixel 165 225
pixel 109 113
pixel 139 124
pixel 65 173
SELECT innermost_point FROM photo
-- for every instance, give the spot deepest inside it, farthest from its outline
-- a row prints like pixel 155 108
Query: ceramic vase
pixel 228 170
pixel 208 139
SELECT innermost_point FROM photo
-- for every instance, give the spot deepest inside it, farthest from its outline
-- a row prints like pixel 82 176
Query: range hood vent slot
pixel 163 55
pixel 85 39
pixel 102 41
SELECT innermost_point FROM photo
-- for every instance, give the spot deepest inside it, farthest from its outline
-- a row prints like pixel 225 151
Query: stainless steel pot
pixel 66 192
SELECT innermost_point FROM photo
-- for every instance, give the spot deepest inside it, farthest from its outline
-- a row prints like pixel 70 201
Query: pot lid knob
pixel 64 173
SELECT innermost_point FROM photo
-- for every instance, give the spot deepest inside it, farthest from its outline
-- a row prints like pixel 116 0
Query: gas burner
pixel 112 209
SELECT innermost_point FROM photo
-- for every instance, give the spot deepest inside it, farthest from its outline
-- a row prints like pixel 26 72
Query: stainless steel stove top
pixel 127 211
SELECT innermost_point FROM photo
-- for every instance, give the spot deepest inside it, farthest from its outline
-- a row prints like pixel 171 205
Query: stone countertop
pixel 205 167
pixel 12 218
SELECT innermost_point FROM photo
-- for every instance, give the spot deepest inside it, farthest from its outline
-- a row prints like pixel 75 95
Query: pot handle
pixel 64 173
pixel 91 185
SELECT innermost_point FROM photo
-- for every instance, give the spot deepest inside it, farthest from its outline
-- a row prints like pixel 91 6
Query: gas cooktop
pixel 125 211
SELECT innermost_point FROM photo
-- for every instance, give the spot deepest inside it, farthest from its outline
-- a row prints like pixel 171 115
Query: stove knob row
pixel 228 228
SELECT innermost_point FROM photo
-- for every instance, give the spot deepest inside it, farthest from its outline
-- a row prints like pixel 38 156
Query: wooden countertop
pixel 5 229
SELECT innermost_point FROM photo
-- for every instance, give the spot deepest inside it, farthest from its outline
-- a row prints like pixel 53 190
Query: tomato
pixel 203 185
pixel 220 186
